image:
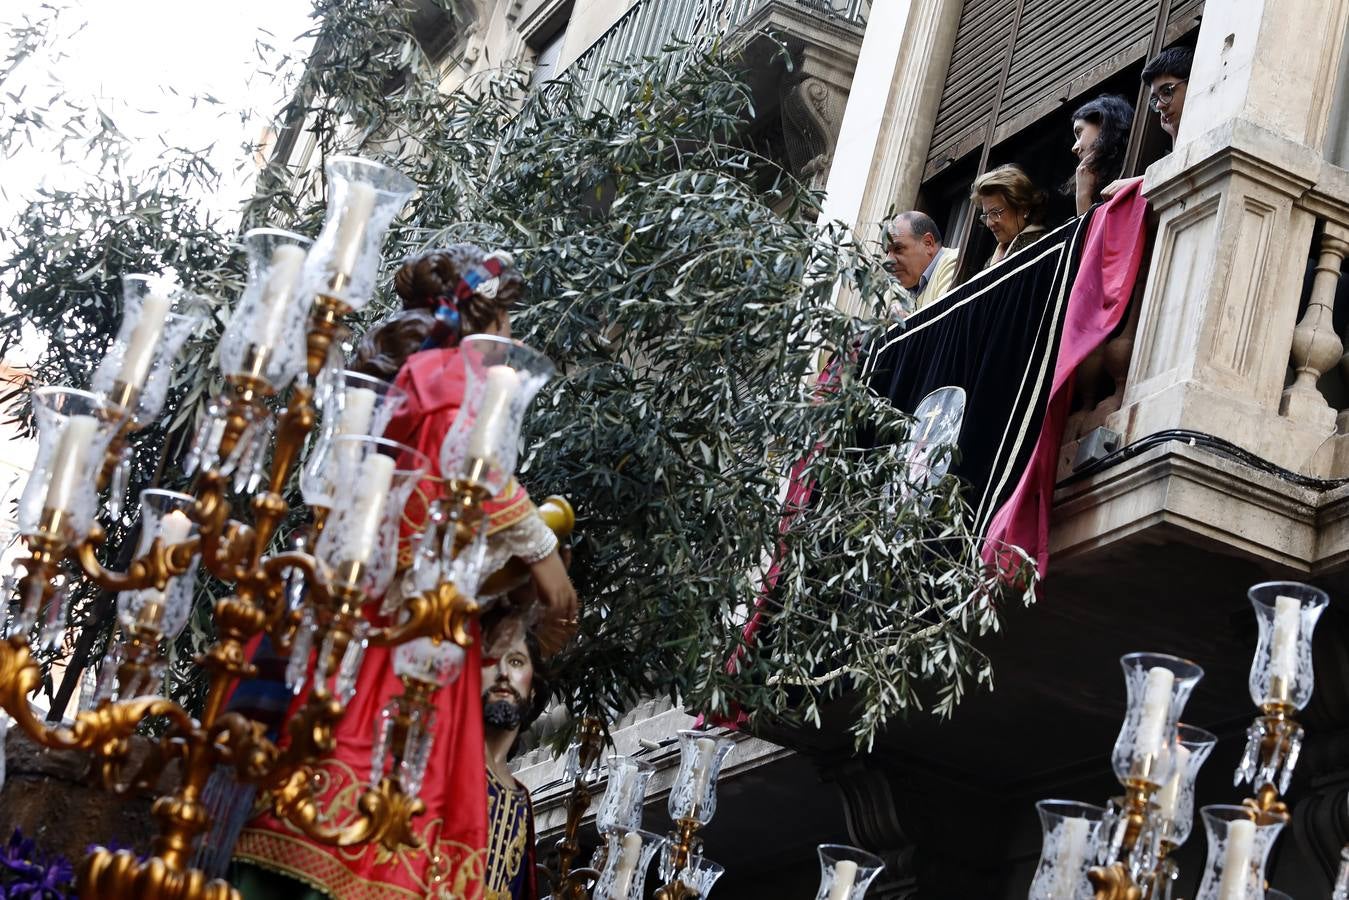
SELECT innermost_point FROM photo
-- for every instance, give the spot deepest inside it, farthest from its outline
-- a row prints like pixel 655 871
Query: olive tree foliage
pixel 687 297
pixel 65 250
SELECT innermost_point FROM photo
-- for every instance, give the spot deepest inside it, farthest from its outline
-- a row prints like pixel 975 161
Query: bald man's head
pixel 914 240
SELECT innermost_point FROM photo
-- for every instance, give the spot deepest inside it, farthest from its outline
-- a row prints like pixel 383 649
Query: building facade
pixel 1228 387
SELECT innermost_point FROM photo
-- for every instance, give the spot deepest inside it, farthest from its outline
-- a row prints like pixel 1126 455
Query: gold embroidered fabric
pixel 442 869
pixel 508 830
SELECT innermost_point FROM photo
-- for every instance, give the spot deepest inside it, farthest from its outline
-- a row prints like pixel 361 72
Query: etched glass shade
pixel 363 198
pixel 362 530
pixel 698 873
pixel 164 515
pixel 1287 613
pixel 1159 687
pixel 628 857
pixel 1175 801
pixel 501 378
pixel 349 404
pixel 158 317
pixel 846 872
pixel 620 808
pixel 74 431
pixel 694 793
pixel 434 662
pixel 1238 850
pixel 265 336
pixel 1072 835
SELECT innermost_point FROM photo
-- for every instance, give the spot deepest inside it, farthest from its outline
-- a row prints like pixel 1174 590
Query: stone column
pixel 887 125
pixel 1216 326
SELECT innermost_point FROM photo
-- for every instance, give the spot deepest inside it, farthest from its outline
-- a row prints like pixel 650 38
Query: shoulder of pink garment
pixel 436 378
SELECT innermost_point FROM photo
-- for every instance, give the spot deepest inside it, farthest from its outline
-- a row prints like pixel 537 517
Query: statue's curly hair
pixel 421 281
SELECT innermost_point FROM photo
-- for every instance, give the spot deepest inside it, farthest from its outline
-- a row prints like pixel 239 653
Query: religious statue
pixel 447 293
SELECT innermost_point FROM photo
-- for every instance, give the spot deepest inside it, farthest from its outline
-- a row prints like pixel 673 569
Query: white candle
pixel 140 349
pixel 351 227
pixel 69 465
pixel 704 751
pixel 493 413
pixel 1156 710
pixel 629 854
pixel 1072 853
pixel 1168 798
pixel 845 875
pixel 282 275
pixel 371 490
pixel 358 410
pixel 1237 860
pixel 174 528
pixel 1283 646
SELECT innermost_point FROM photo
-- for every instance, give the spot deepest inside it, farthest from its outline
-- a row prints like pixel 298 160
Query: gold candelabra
pixel 684 843
pixel 276 338
pixel 1114 881
pixel 566 882
pixel 234 551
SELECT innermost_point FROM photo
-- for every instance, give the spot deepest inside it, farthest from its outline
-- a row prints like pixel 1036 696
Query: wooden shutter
pixel 1060 51
pixel 970 94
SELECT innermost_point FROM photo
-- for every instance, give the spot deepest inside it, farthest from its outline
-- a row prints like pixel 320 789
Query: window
pixel 1018 69
pixel 546 58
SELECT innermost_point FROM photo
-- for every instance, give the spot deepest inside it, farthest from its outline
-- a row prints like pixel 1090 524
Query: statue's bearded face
pixel 508 688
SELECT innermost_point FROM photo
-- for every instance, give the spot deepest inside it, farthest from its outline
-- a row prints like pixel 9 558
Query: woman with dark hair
pixel 1100 142
pixel 447 294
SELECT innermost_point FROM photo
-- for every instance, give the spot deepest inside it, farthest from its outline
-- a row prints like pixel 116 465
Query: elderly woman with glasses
pixel 1011 206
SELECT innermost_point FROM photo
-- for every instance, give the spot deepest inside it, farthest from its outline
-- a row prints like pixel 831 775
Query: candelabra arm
pixel 442 613
pixel 1113 883
pixel 153 569
pixel 325 326
pixel 225 544
pixel 293 427
pixel 282 621
pixel 104 730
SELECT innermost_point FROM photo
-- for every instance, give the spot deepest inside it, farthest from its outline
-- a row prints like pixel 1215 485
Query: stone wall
pixel 48 794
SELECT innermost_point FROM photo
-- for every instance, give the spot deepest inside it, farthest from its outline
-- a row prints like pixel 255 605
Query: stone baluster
pixel 1117 353
pixel 1316 346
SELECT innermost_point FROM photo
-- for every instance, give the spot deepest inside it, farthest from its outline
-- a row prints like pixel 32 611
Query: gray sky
pixel 142 62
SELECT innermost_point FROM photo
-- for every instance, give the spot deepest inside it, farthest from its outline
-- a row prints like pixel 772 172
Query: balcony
pixel 798 109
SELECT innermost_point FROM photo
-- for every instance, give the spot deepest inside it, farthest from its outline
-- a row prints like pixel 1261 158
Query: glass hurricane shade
pixel 628 856
pixel 158 317
pixel 501 378
pixel 363 199
pixel 1158 688
pixel 363 528
pixel 846 872
pixel 1287 613
pixel 1175 800
pixel 74 431
pixel 1238 850
pixel 434 662
pixel 620 808
pixel 698 874
pixel 265 336
pixel 349 403
pixel 164 515
pixel 694 793
pixel 1072 834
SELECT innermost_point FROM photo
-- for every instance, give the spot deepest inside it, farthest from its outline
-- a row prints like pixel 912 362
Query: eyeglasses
pixel 1164 94
pixel 992 215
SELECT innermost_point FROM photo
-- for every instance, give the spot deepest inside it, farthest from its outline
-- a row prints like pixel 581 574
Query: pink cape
pixel 1111 257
